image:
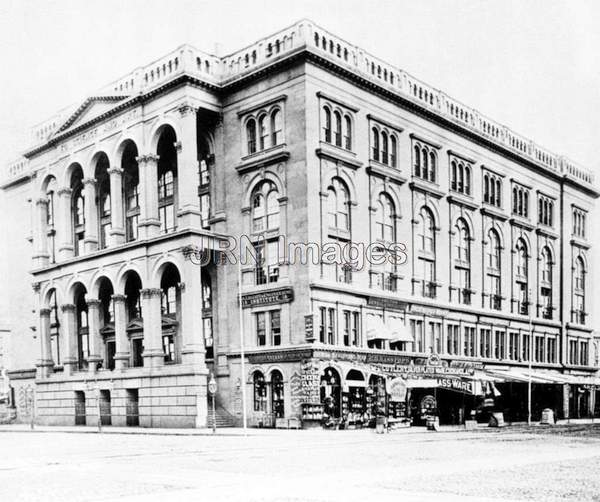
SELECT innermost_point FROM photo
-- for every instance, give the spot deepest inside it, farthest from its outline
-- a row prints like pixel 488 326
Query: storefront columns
pixel 151 312
pixel 90 240
pixel 95 341
pixel 64 224
pixel 40 239
pixel 148 171
pixel 121 342
pixel 46 364
pixel 566 399
pixel 187 169
pixel 192 329
pixel 69 328
pixel 116 232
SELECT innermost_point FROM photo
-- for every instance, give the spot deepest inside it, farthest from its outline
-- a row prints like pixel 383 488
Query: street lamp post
pixel 530 360
pixel 212 390
pixel 242 352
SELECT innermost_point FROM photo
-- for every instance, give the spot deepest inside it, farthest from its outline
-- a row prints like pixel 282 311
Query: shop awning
pixel 515 376
pixel 400 333
pixel 377 329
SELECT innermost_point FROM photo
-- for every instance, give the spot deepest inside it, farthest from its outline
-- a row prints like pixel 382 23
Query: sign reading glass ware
pixel 273 297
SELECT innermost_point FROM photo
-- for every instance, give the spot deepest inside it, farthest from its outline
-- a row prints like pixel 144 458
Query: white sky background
pixel 531 65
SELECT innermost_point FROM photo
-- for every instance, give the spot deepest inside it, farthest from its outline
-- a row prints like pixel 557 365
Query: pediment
pixel 90 109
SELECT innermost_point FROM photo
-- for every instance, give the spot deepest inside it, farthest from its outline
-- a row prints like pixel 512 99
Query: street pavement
pixel 267 465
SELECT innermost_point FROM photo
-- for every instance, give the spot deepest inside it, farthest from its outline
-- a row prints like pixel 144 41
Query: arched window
pixel 338 128
pixel 331 392
pixel 260 392
pixel 338 205
pixel 327 124
pixel 81 322
pixel 171 311
pixel 393 151
pixel 425 165
pixel 385 218
pixel 521 277
pixel 426 231
pixel 265 207
pixel 263 133
pixel 526 204
pixel 384 148
pixel 579 288
pixel 277 394
pixel 467 180
pixel 347 133
pixel 54 327
pixel 375 143
pixel 432 167
pixel 251 135
pixel 103 200
pixel 276 127
pixel 462 263
pixel 78 210
pixel 546 283
pixel 453 177
pixel 130 191
pixel 460 185
pixel 167 179
pixel 498 201
pixel 494 266
pixel 492 193
pixel 417 160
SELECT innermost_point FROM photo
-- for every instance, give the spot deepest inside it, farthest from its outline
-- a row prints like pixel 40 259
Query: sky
pixel 531 65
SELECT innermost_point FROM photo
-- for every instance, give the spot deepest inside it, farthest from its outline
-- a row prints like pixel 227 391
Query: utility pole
pixel 242 352
pixel 530 360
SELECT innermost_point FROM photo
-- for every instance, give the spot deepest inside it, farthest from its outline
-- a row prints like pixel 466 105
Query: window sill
pixel 265 157
pixel 338 154
pixel 385 171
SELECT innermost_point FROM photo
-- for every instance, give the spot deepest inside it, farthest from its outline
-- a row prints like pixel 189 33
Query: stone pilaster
pixel 64 224
pixel 122 353
pixel 153 351
pixel 149 224
pixel 40 237
pixel 192 330
pixel 117 230
pixel 46 365
pixel 187 170
pixel 95 340
pixel 90 240
pixel 69 337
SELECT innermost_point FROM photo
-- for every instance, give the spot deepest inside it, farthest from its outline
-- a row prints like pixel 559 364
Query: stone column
pixel 187 170
pixel 40 237
pixel 90 240
pixel 121 342
pixel 69 335
pixel 153 351
pixel 46 364
pixel 117 230
pixel 95 340
pixel 149 224
pixel 64 224
pixel 191 329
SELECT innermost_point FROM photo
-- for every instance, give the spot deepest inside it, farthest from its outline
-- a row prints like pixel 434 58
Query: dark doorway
pixel 132 408
pixel 79 407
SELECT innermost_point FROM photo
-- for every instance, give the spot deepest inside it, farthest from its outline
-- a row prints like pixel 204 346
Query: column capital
pixel 147 159
pixel 178 147
pixel 89 181
pixel 67 307
pixel 119 298
pixel 41 201
pixel 186 108
pixel 36 286
pixel 93 302
pixel 45 312
pixel 61 192
pixel 151 292
pixel 115 171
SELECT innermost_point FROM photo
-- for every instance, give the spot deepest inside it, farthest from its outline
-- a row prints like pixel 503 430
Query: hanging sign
pixel 397 389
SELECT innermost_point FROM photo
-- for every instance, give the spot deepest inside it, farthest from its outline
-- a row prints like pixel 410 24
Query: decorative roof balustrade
pixel 305 35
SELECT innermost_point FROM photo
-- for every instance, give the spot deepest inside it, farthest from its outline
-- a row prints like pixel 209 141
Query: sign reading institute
pixel 283 295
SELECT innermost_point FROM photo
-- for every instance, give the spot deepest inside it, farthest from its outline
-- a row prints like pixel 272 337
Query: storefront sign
pixel 456 384
pixel 397 389
pixel 296 393
pixel 387 359
pixel 278 296
pixel 280 357
pixel 308 328
pixel 428 311
pixel 386 303
pixel 310 381
pixel 428 371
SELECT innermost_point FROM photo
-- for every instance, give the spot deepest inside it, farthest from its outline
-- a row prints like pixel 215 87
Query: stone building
pixel 474 280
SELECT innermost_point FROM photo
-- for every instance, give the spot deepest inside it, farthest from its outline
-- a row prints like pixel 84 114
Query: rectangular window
pixel 469 345
pixel 583 353
pixel 452 341
pixel 275 327
pixel 416 328
pixel 347 327
pixel 261 330
pixel 551 350
pixel 322 324
pixel 168 343
pixel 500 344
pixel 525 346
pixel 513 346
pixel 355 329
pixel 331 326
pixel 208 338
pixel 539 349
pixel 434 337
pixel 485 343
pixel 573 352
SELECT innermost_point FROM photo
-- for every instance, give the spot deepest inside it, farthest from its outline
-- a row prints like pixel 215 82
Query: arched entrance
pixel 331 393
